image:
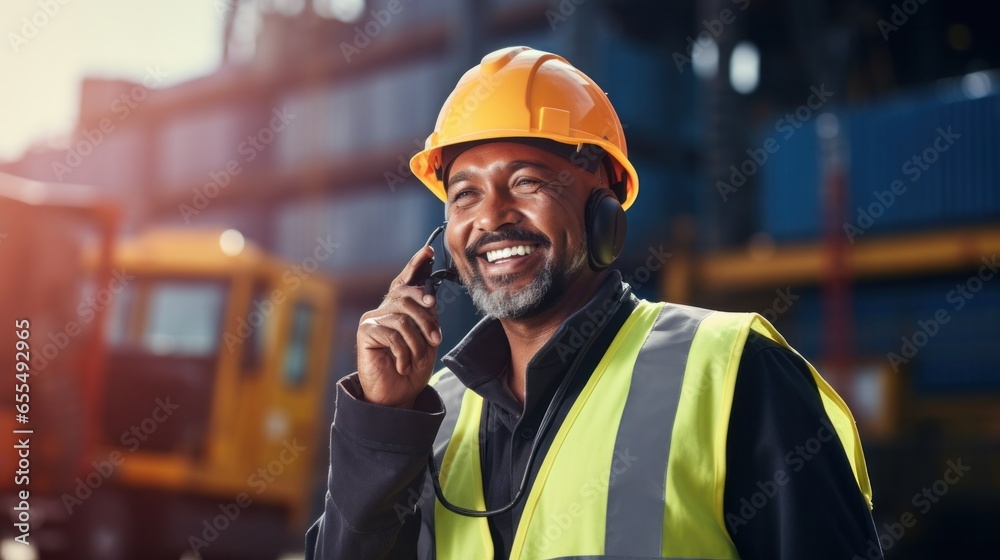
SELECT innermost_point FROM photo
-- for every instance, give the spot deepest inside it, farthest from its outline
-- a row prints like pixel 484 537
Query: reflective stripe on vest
pixel 637 468
pixel 636 504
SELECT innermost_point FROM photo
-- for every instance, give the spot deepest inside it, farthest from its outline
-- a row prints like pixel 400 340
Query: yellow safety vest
pixel 638 466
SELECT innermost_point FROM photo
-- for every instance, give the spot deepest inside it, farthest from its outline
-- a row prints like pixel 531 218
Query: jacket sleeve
pixel 790 491
pixel 377 460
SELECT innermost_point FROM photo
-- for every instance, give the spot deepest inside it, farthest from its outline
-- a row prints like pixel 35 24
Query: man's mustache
pixel 506 235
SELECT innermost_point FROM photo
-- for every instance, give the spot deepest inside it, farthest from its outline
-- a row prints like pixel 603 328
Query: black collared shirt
pixel 378 454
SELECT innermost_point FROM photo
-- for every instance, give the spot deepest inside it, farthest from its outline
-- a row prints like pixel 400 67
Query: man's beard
pixel 504 302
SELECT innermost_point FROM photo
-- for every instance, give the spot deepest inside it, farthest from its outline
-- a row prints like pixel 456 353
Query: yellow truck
pixel 175 386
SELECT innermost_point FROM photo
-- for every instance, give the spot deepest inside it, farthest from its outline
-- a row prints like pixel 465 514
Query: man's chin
pixel 512 297
pixel 506 283
pixel 502 306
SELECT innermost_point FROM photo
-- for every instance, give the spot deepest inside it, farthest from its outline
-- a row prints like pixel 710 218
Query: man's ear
pixel 603 179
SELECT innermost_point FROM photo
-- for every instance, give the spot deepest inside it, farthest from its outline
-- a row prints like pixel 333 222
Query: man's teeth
pixel 520 250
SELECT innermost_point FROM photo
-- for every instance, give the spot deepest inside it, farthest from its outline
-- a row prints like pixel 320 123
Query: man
pixel 575 420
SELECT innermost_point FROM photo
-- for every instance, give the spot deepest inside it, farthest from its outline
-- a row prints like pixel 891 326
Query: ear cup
pixel 605 221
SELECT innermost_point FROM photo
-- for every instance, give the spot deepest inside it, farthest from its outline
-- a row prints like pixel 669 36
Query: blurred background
pixel 199 198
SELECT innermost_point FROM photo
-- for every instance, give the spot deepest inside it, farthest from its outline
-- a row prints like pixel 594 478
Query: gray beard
pixel 505 303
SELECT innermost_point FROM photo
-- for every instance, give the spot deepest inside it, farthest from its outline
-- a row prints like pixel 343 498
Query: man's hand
pixel 397 343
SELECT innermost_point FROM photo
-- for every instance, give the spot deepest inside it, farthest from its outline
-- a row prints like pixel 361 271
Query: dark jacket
pixel 378 454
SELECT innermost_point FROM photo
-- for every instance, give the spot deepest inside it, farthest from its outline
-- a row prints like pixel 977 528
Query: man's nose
pixel 498 209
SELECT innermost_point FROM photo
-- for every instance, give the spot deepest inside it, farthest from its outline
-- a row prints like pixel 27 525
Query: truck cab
pixel 176 383
pixel 216 366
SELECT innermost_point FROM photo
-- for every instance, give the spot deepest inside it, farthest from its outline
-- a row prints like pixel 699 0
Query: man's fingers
pixel 380 337
pixel 407 327
pixel 399 329
pixel 412 301
pixel 414 292
pixel 417 270
pixel 424 318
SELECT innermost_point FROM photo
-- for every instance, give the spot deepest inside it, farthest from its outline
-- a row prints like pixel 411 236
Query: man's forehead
pixel 515 153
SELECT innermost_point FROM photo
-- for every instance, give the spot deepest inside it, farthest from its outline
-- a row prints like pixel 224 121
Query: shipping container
pixel 918 160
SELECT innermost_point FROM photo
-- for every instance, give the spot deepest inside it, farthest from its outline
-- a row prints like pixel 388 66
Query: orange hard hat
pixel 519 92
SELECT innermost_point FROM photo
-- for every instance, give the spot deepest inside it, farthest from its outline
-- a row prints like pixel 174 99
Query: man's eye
pixel 463 198
pixel 527 184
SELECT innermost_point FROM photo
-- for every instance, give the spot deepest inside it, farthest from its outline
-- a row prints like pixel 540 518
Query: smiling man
pixel 575 420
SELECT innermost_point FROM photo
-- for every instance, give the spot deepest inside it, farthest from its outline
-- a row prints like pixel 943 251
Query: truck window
pixel 258 321
pixel 297 350
pixel 168 317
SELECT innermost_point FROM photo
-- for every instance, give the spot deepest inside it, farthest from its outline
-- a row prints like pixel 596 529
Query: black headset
pixel 605 221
